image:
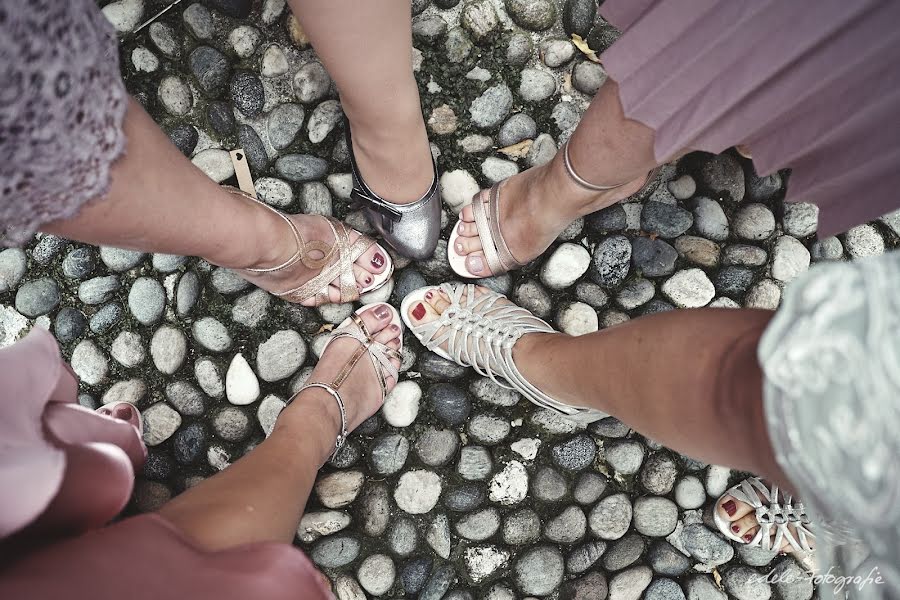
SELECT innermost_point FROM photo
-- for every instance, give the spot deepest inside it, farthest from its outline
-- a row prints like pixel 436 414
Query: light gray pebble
pixel 863 241
pixel 623 552
pixel 12 268
pixel 175 95
pixel 710 220
pixel 403 537
pixel 585 556
pixel 479 525
pixel 690 493
pixel 376 574
pixel 790 258
pixel 791 580
pixel 744 255
pixel 199 21
pixel 128 349
pixel 335 551
pixel 655 516
pixel 167 263
pixel 754 222
pixel 474 463
pixel 480 19
pixel 186 398
pixel 533 297
pixel 38 297
pixel 187 293
pixel 702 587
pixel 496 169
pixel 589 488
pixel 542 151
pixel 635 293
pixel 755 556
pixel 587 77
pixel 388 453
pixel 521 528
pixel 549 485
pixel 211 334
pixel 488 429
pixel 536 85
pixel 250 309
pixel 705 545
pixel 800 219
pixel 315 199
pixel 273 191
pixel 147 300
pixel 682 188
pixel 311 82
pixel 519 49
pixel 284 123
pixel 576 453
pixel 165 39
pixel 120 260
pixel 89 363
pixel 280 356
pixel 491 107
pixel 743 583
pixel 556 53
pixel 630 584
pixel 231 424
pixel 131 391
pixel 161 421
pixel 106 317
pixel 829 248
pixel 301 167
pixel 664 589
pixel 168 349
pixel 611 517
pixel 99 289
pixel 376 509
pixel 625 457
pixel 209 378
pixel 517 128
pixel 567 527
pixel 487 391
pixel 539 570
pixel 323 120
pixel 667 560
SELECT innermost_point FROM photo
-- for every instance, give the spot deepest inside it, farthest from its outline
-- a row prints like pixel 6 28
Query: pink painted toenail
pixel 429 295
pixel 378 261
pixel 382 312
pixel 459 248
pixel 123 412
pixel 419 311
pixel 476 264
pixel 395 328
pixel 735 528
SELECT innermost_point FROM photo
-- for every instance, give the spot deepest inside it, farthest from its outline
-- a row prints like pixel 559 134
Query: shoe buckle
pixel 389 215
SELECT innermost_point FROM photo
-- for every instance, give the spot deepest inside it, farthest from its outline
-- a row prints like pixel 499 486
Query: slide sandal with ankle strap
pixel 480 332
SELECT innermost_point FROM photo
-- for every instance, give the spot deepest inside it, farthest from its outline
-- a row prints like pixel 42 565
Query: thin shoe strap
pixel 487 221
pixel 581 181
pixel 506 257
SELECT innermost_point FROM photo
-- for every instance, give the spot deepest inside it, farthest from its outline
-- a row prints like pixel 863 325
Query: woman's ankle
pixel 260 238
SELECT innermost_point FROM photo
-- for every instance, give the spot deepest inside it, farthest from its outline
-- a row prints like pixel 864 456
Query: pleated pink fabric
pixel 814 87
pixel 140 558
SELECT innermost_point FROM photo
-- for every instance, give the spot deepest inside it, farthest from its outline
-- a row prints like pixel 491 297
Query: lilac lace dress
pixel 62 103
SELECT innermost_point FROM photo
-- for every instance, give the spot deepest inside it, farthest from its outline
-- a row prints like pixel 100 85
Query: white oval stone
pixel 376 574
pixel 510 485
pixel 216 163
pixel 417 491
pixel 457 189
pixel 268 411
pixel 160 422
pixel 690 288
pixel 567 263
pixel 402 404
pixel 577 318
pixel 89 363
pixel 241 385
pixel 168 348
pixel 314 525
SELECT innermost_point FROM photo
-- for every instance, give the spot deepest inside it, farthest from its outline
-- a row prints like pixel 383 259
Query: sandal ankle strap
pixel 581 180
pixel 342 436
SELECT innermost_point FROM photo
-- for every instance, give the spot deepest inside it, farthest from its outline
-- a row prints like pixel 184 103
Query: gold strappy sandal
pixel 336 262
pixel 380 355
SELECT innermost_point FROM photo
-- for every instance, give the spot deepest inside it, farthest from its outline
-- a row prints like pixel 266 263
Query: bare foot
pixel 361 390
pixel 535 207
pixel 277 245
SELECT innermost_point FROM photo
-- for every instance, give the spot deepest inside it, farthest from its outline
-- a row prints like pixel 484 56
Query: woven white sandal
pixel 775 513
pixel 380 354
pixel 495 328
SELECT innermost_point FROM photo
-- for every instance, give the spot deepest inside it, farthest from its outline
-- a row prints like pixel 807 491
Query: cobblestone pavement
pixel 457 489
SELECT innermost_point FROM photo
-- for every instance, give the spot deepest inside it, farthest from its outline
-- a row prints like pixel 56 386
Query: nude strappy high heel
pixel 486 209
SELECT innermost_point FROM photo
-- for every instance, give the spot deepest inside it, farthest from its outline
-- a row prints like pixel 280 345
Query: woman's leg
pixel 367 49
pixel 687 379
pixel 538 204
pixel 160 202
pixel 261 497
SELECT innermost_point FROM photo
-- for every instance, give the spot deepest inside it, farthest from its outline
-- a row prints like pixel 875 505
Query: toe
pixel 467 215
pixel 438 300
pixel 744 525
pixel 363 278
pixel 388 334
pixel 376 319
pixel 374 259
pixel 731 509
pixel 467 229
pixel 467 245
pixel 477 264
pixel 422 312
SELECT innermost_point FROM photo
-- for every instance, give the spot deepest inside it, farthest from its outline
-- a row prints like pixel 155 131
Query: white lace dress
pixel 62 102
pixel 831 357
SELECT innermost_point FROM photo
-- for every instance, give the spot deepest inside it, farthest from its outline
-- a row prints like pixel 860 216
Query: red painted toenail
pixel 736 528
pixel 428 295
pixel 378 261
pixel 368 280
pixel 419 311
pixel 748 537
pixel 730 507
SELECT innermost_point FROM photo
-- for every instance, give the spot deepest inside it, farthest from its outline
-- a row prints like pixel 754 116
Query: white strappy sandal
pixel 775 513
pixel 495 328
pixel 380 354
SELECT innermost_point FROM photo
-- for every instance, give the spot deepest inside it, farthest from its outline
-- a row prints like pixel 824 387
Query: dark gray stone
pixel 47 248
pixel 449 403
pixel 733 282
pixel 185 138
pixel 656 306
pixel 665 220
pixel 440 580
pixel 285 122
pixel 247 93
pixel 549 485
pixel 517 128
pixel 158 467
pixel 433 367
pixel 578 16
pixel 609 219
pixel 189 443
pixel 221 118
pixel 575 454
pixel 428 28
pixel 187 293
pixel 664 589
pixel 705 545
pixel 407 281
pixel 211 68
pixel 79 263
pixel 388 453
pixel 610 263
pixel 238 9
pixel 659 473
pixel 106 317
pixel 464 498
pixel 654 258
pixel 763 189
pixel 335 551
pixel 414 574
pixel 70 325
pixel 254 149
pixel 584 557
pixel 589 488
pixel 722 175
pixel 437 447
pixel 623 552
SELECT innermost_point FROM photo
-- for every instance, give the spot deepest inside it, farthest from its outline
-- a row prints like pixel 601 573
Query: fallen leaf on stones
pixel 585 49
pixel 518 150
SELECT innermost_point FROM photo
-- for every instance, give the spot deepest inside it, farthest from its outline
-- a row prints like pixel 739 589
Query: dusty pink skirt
pixel 811 86
pixel 138 558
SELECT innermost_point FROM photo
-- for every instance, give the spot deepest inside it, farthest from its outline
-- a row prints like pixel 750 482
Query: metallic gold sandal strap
pixel 581 180
pixel 507 259
pixel 481 211
pixel 342 436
